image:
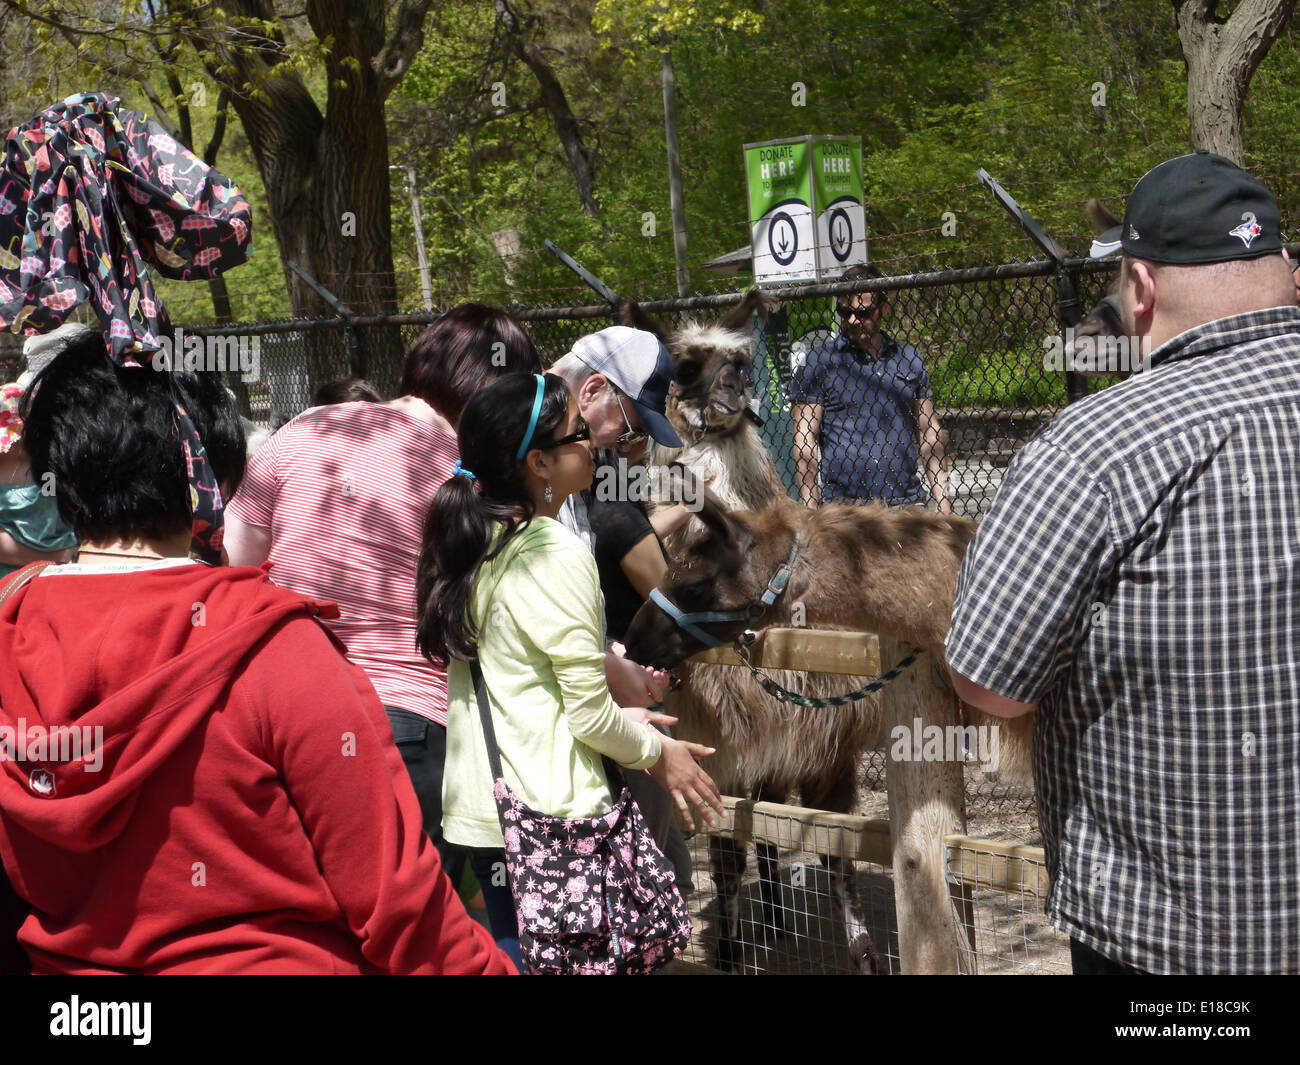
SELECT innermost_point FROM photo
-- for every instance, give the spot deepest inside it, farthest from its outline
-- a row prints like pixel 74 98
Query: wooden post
pixel 926 803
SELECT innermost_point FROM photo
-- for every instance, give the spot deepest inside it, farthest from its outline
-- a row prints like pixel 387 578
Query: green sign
pixel 805 207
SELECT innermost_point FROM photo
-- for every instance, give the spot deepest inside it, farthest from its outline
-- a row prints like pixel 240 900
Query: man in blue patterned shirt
pixel 862 413
pixel 1136 585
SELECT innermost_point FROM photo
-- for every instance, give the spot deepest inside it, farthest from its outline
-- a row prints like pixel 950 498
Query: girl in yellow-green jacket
pixel 502 581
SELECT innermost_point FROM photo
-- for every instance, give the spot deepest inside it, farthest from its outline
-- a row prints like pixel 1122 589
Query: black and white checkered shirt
pixel 1138 576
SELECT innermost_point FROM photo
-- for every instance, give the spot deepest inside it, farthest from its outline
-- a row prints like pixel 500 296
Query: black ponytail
pixel 459 526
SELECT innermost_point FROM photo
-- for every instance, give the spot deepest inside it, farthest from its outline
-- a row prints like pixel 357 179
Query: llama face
pixel 710 369
pixel 1102 324
pixel 711 366
pixel 715 572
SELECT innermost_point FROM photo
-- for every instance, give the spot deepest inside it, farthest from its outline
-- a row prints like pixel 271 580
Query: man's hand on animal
pixel 632 684
pixel 679 774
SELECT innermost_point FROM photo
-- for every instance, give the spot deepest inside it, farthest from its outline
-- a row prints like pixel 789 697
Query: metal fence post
pixel 1067 314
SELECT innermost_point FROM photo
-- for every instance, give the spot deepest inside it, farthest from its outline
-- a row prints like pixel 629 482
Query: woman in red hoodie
pixel 193 778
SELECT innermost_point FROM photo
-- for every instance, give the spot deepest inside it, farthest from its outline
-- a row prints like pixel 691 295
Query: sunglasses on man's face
pixel 862 314
pixel 632 436
pixel 583 432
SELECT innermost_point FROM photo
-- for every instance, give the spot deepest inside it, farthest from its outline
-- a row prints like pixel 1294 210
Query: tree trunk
pixel 326 175
pixel 1222 55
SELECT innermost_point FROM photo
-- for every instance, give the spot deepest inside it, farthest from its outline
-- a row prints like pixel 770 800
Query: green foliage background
pixel 935 88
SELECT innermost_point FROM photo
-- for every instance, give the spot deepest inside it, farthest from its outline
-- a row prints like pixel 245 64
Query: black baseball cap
pixel 1197 208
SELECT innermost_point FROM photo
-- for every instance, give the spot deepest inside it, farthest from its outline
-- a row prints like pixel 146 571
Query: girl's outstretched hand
pixel 679 774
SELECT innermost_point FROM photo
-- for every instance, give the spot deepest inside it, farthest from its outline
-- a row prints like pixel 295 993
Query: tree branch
pixel 566 124
pixel 404 41
pixel 160 112
pixel 218 129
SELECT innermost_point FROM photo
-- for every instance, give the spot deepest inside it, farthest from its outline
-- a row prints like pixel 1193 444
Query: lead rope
pixel 785 695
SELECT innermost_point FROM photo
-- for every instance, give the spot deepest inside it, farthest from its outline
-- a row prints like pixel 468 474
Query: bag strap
pixel 485 716
pixel 613 776
pixel 18 578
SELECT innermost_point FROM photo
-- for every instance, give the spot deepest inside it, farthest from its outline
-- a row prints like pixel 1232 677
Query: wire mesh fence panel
pixel 777 891
pixel 1005 887
pixel 784 898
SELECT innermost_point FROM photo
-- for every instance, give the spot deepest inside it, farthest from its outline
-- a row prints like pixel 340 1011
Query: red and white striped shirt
pixel 344 490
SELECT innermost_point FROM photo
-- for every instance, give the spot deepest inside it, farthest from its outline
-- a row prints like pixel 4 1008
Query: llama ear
pixel 726 528
pixel 633 315
pixel 753 302
pixel 1099 217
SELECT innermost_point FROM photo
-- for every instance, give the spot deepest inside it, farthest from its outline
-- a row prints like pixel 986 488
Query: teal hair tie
pixel 460 471
pixel 532 421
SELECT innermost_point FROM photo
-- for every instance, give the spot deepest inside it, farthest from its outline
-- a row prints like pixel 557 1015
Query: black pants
pixel 423 746
pixel 658 809
pixel 1085 961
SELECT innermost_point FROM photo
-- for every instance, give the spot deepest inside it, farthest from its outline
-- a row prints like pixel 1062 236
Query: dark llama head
pixel 1103 322
pixel 872 568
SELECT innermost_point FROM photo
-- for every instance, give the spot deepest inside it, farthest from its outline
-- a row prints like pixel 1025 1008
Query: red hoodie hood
pixel 136 662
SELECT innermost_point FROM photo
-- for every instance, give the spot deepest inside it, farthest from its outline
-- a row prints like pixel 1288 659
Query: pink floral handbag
pixel 593 895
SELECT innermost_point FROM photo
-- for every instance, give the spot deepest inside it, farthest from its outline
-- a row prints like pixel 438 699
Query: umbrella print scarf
pixel 92 195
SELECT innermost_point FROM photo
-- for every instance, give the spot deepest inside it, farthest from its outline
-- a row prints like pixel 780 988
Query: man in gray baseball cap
pixel 620 378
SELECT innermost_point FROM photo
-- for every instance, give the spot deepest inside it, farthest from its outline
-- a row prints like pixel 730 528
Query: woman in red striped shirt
pixel 336 502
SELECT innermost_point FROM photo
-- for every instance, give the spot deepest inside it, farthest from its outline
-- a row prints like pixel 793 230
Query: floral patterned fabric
pixel 593 895
pixel 11 425
pixel 91 195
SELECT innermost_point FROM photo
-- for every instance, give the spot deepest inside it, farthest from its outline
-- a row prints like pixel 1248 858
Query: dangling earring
pixel 547 495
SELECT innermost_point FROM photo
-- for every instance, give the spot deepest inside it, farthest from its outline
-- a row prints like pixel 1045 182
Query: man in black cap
pixel 1136 585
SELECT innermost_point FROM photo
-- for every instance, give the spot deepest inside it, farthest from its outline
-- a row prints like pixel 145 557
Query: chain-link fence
pixel 999 802
pixel 906 389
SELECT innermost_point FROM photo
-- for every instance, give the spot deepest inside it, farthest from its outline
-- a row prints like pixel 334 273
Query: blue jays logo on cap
pixel 1248 230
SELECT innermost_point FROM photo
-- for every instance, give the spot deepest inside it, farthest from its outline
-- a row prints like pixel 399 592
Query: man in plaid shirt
pixel 1136 584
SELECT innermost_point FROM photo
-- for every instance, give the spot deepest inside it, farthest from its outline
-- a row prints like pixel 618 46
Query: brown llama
pixel 866 568
pixel 764 752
